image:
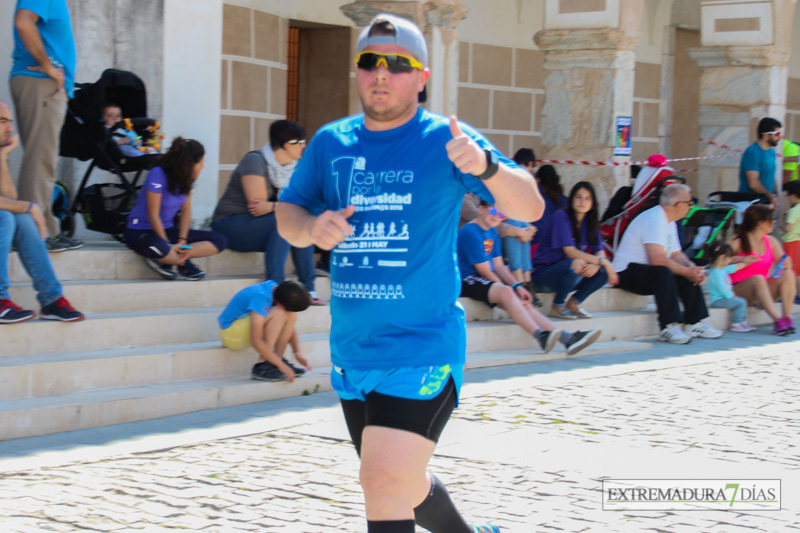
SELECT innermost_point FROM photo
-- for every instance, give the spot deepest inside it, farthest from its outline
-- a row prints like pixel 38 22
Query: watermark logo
pixel 691 494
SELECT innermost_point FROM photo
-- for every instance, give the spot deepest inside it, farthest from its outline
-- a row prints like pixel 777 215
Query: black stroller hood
pixel 83 126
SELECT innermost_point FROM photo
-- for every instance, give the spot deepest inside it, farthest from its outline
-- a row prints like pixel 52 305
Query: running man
pixel 398 360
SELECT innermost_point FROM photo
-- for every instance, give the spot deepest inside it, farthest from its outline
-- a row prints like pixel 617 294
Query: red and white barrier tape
pixel 621 163
pixel 712 143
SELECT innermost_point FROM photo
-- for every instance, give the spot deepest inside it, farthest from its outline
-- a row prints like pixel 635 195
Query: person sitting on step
pixel 484 277
pixel 649 260
pixel 264 316
pixel 23 226
pixel 151 231
pixel 571 259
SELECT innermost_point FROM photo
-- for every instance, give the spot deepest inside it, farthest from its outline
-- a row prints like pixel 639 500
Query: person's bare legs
pixel 519 275
pixel 285 332
pixel 756 289
pixel 524 315
pixel 785 288
pixel 275 329
pixel 394 472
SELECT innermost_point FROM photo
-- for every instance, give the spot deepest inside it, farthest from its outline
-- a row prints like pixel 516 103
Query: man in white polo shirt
pixel 649 260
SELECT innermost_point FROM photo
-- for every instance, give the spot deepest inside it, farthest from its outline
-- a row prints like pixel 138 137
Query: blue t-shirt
pixel 762 161
pixel 475 246
pixel 255 298
pixel 171 202
pixel 550 207
pixel 56 30
pixel 394 281
pixel 557 235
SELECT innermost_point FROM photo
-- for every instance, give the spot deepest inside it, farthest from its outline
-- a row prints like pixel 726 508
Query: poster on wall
pixel 622 144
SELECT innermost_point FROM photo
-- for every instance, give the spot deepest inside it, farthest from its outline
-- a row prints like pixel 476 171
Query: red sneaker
pixel 61 310
pixel 11 313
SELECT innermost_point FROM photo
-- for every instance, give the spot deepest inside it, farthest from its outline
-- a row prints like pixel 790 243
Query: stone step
pixel 122 295
pixel 80 410
pixel 115 296
pixel 68 372
pixel 114 261
pixel 106 331
pixel 48 374
pixel 131 329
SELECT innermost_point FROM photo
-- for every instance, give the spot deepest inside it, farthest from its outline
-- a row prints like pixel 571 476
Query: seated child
pixel 720 288
pixel 112 116
pixel 264 316
pixel 484 277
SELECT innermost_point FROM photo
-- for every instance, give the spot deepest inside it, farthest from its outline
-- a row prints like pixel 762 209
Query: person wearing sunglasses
pixel 649 261
pixel 383 189
pixel 486 278
pixel 246 211
pixel 757 167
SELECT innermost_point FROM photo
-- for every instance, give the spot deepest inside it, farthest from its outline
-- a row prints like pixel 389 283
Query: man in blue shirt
pixel 383 191
pixel 757 169
pixel 41 82
pixel 486 278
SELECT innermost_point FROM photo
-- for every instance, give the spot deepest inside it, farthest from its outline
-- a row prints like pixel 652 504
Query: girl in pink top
pixel 761 253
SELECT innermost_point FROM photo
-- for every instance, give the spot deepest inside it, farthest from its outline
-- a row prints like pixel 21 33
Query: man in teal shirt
pixel 41 81
pixel 757 169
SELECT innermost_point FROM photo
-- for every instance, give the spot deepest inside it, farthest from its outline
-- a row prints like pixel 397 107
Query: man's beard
pixel 388 114
pixel 773 142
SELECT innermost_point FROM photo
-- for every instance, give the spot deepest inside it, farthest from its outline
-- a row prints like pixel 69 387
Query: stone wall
pixel 646 110
pixel 254 69
pixel 500 93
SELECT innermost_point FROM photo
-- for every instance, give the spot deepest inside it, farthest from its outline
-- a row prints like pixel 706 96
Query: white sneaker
pixel 704 330
pixel 742 327
pixel 674 334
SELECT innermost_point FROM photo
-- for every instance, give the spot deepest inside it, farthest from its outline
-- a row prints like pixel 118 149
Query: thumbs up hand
pixel 331 227
pixel 464 152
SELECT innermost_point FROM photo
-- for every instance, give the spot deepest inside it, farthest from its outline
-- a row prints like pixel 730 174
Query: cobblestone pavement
pixel 526 453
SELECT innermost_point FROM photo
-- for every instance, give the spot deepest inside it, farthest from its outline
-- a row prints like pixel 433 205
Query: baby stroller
pixel 645 198
pixel 704 226
pixel 739 201
pixel 105 206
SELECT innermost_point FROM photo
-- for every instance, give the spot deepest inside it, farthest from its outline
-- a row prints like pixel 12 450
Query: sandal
pixel 317 301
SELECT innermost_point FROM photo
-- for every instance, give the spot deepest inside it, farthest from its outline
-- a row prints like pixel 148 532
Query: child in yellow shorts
pixel 263 316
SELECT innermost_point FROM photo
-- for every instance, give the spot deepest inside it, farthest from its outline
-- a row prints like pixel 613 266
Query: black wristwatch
pixel 492 166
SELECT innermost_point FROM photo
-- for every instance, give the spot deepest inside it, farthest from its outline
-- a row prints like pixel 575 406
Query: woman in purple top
pixel 571 257
pixel 151 231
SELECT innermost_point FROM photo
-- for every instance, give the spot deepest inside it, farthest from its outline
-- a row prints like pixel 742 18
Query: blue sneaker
pixel 298 370
pixel 188 271
pixel 266 371
pixel 487 528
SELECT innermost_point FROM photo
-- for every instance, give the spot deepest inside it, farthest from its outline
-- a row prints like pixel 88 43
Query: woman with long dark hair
pixel 553 194
pixel 151 231
pixel 571 257
pixel 766 274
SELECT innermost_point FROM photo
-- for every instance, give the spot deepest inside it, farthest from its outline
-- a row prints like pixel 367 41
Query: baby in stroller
pixel 130 143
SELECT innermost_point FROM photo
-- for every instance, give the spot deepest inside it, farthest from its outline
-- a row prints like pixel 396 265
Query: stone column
pixel 438 20
pixel 589 74
pixel 744 61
